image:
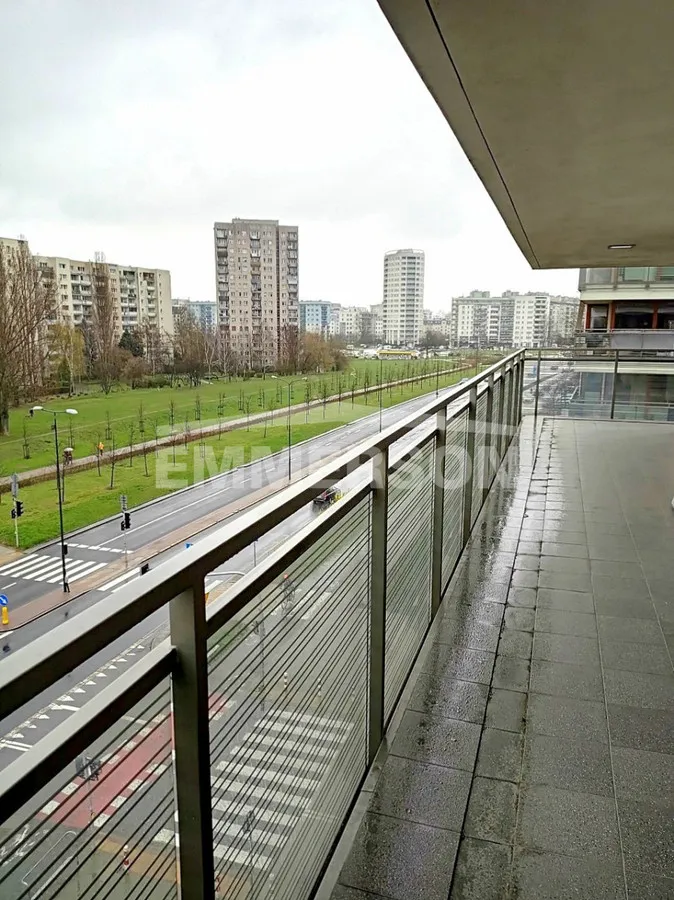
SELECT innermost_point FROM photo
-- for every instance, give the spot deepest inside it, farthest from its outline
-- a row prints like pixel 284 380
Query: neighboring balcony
pixel 642 340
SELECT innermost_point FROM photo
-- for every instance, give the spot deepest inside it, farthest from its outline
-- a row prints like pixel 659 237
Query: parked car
pixel 328 497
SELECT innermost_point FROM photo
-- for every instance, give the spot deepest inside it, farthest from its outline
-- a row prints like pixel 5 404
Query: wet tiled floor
pixel 533 758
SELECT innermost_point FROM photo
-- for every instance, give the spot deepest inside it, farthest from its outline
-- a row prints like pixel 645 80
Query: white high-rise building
pixel 403 307
pixel 256 270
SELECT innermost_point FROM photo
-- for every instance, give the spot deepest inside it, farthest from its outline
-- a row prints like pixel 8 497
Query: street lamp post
pixel 290 436
pixel 64 549
pixel 381 375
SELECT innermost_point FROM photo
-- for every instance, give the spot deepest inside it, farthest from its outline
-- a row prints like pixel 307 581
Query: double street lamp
pixel 290 436
pixel 59 483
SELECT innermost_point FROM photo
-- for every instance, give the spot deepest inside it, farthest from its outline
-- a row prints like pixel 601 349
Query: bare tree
pixel 105 349
pixel 189 354
pixel 68 351
pixel 289 350
pixel 27 301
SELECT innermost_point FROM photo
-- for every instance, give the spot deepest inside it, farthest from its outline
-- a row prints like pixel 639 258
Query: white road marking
pixel 15 745
pixel 64 706
pixel 121 578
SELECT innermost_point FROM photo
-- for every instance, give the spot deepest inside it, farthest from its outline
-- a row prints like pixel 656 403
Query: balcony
pixel 466 667
pixel 657 341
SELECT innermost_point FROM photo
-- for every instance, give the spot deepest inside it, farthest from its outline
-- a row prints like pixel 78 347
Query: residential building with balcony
pixel 351 320
pixel 319 317
pixel 257 278
pixel 403 304
pixel 203 311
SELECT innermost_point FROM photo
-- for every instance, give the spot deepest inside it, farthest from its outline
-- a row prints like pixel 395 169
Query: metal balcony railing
pixel 647 340
pixel 225 758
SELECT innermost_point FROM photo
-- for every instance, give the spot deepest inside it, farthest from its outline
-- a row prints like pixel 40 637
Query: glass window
pixel 599 317
pixel 633 273
pixel 596 276
pixel 634 315
pixel 666 315
pixel 665 273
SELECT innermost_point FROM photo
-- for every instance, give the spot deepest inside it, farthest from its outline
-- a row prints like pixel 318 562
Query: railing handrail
pixel 36 667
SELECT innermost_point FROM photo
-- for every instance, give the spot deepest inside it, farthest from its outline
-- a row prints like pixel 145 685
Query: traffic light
pixel 126 521
pixel 19 508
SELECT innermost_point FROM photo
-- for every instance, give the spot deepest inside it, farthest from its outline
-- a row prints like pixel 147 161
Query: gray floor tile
pixel 563 716
pixel 482 871
pixel 401 859
pixel 522 597
pixel 630 609
pixel 491 811
pixel 616 569
pixel 506 710
pixel 600 530
pixel 419 792
pixel 636 631
pixel 565 581
pixel 642 729
pixel 519 618
pixel 637 689
pixel 465 700
pixel 569 601
pixel 647 830
pixel 566 648
pixel 515 643
pixel 557 536
pixel 511 673
pixel 444 660
pixel 525 578
pixel 341 892
pixel 527 561
pixel 565 565
pixel 569 762
pixel 643 775
pixel 547 876
pixel 612 553
pixel 612 587
pixel 557 621
pixel 648 887
pixel 487 613
pixel 579 824
pixel 467 633
pixel 434 739
pixel 571 551
pixel 636 657
pixel 532 548
pixel 562 680
pixel 500 755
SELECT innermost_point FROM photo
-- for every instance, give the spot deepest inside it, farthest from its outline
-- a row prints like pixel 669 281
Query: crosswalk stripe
pixel 87 571
pixel 120 578
pixel 44 572
pixel 72 566
pixel 17 563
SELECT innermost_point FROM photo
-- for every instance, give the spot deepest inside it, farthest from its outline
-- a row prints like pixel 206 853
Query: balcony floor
pixel 531 756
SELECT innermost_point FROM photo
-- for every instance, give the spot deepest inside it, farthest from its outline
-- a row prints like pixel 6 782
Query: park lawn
pixel 118 415
pixel 89 497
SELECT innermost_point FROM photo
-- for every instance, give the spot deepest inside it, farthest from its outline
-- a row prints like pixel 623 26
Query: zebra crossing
pixel 41 567
pixel 121 581
pixel 267 785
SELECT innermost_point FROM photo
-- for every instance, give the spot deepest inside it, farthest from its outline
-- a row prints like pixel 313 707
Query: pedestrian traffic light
pixel 19 508
pixel 126 521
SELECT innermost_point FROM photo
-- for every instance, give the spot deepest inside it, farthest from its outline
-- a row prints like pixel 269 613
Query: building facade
pixel 513 320
pixel 319 317
pixel 257 283
pixel 351 322
pixel 204 311
pixel 142 296
pixel 403 305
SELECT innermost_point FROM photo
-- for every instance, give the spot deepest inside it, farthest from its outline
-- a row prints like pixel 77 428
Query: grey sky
pixel 131 126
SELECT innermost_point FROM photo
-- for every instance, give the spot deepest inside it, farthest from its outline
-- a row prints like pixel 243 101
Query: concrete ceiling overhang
pixel 565 108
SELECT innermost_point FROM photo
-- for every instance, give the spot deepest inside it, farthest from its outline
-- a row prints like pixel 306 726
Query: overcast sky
pixel 131 126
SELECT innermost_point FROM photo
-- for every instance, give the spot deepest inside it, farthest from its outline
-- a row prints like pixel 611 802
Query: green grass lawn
pixel 90 498
pixel 133 416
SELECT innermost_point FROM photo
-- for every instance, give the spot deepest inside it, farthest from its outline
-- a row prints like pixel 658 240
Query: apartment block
pixel 351 321
pixel 205 312
pixel 319 317
pixel 257 283
pixel 403 306
pixel 533 319
pixel 481 320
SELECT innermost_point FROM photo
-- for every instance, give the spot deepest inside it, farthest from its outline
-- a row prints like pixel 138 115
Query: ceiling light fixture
pixel 621 246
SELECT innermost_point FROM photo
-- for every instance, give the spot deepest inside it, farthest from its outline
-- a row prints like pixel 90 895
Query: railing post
pixel 470 462
pixel 489 427
pixel 438 509
pixel 538 382
pixel 520 390
pixel 507 421
pixel 377 649
pixel 187 614
pixel 499 418
pixel 615 382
